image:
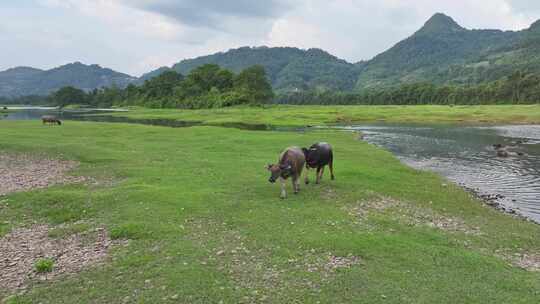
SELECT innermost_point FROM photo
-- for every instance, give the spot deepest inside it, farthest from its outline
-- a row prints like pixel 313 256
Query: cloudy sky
pixel 136 36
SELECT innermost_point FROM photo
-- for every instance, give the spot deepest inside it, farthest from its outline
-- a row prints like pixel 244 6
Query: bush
pixel 44 265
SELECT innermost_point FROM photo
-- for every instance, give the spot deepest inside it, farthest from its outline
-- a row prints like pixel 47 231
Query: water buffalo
pixel 49 119
pixel 318 156
pixel 290 164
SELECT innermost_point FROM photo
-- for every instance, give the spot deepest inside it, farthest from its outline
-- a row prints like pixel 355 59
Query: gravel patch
pixel 528 261
pixel 525 260
pixel 21 248
pixel 23 172
pixel 363 208
pixel 327 264
pixel 410 215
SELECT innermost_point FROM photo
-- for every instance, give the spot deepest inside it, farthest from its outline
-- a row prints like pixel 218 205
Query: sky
pixel 137 36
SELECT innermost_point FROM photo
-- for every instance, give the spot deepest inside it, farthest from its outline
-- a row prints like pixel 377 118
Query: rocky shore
pixel 494 201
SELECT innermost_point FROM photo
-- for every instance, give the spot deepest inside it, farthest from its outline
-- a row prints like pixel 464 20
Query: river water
pixel 466 155
pixel 463 154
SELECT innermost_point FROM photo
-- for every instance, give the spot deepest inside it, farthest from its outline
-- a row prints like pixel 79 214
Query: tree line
pixel 518 88
pixel 211 86
pixel 208 86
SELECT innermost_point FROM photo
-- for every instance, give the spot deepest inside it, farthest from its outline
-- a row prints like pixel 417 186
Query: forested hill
pixel 443 52
pixel 288 68
pixel 29 81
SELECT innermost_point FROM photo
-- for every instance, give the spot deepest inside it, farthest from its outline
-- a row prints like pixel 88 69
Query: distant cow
pixel 49 119
pixel 318 156
pixel 290 164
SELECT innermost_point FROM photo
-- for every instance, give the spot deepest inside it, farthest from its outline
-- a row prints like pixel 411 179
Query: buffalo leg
pixel 322 173
pixel 296 184
pixel 283 192
pixel 331 166
pixel 318 178
pixel 306 176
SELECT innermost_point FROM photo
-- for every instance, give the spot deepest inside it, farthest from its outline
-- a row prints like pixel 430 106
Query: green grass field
pixel 205 226
pixel 327 115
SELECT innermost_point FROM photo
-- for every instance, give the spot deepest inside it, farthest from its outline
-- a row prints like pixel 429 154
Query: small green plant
pixel 44 265
pixel 128 231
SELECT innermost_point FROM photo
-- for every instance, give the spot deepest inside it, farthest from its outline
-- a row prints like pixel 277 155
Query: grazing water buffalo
pixel 290 164
pixel 49 119
pixel 318 156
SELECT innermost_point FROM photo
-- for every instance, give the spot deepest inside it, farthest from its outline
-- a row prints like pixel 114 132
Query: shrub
pixel 44 265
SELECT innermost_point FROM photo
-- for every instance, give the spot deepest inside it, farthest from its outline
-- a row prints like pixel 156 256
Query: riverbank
pixel 204 225
pixel 283 115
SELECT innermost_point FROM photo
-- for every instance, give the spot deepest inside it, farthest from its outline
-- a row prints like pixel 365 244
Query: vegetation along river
pixel 468 155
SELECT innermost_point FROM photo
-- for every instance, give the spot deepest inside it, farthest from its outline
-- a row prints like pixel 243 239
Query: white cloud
pixel 361 29
pixel 136 36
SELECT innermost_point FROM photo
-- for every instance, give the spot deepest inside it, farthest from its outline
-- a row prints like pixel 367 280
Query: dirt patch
pixel 328 263
pixel 417 216
pixel 525 260
pixel 23 172
pixel 364 208
pixel 410 215
pixel 530 262
pixel 262 274
pixel 21 248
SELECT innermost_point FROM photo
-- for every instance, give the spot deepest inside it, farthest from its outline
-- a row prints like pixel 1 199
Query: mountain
pixel 152 74
pixel 287 68
pixel 443 52
pixel 29 81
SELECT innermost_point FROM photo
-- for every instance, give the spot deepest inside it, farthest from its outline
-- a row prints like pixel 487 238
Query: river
pixel 466 155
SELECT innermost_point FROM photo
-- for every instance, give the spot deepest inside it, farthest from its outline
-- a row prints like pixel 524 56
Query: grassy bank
pixel 320 115
pixel 205 225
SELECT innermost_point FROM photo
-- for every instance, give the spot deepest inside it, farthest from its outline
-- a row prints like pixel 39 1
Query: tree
pixel 69 95
pixel 253 83
pixel 210 75
pixel 162 85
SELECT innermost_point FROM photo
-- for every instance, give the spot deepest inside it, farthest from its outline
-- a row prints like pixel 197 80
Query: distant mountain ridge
pixel 21 81
pixel 441 52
